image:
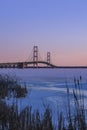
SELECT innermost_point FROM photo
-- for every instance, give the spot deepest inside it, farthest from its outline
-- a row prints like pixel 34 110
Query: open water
pixel 48 86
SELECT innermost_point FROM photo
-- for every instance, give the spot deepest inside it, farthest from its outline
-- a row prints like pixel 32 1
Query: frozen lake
pixel 48 86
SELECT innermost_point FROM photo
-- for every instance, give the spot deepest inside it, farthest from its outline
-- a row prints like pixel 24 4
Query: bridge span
pixel 39 64
pixel 31 64
pixel 36 62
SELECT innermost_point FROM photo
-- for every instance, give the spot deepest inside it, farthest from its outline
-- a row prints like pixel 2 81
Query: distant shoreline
pixel 47 67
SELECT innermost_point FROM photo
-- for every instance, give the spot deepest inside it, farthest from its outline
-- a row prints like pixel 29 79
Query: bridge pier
pixel 35 56
pixel 48 58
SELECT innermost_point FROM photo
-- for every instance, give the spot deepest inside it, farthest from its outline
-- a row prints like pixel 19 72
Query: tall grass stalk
pixel 11 119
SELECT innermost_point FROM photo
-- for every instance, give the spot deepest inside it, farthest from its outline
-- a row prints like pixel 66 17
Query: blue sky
pixel 58 26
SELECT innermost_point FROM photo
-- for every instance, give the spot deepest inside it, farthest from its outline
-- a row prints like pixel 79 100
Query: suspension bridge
pixel 36 62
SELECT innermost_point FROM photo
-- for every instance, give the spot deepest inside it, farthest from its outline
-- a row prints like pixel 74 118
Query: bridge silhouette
pixel 36 62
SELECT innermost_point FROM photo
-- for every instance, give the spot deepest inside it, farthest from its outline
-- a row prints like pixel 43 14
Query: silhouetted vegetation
pixel 9 87
pixel 76 120
pixel 11 119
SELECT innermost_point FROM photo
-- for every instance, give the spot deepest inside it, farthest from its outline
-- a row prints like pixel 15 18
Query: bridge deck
pixel 32 64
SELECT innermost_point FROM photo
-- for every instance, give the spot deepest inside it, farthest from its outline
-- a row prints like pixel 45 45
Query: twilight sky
pixel 58 26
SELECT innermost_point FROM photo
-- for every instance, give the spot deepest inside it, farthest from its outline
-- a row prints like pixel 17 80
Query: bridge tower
pixel 48 57
pixel 35 56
